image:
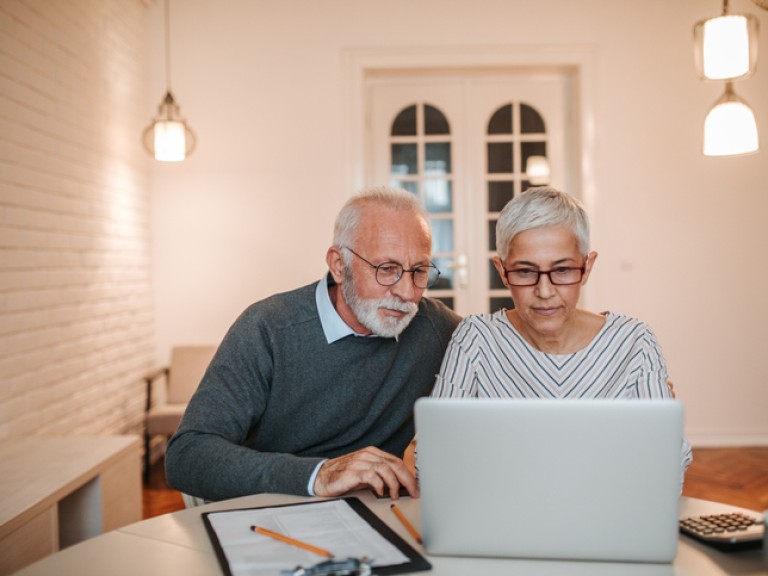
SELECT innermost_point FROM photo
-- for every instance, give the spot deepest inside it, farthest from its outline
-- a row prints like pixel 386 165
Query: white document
pixel 332 525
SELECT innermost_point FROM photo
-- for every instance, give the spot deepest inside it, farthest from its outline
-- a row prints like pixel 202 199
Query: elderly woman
pixel 547 347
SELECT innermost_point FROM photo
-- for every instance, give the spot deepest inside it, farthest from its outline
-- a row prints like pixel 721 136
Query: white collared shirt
pixel 333 326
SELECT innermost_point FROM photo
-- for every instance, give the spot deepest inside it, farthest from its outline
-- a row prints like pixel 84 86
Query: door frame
pixel 577 61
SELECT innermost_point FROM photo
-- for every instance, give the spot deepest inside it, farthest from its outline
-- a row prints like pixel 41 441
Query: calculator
pixel 729 531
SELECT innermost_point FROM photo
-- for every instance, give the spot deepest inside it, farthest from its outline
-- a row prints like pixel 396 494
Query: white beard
pixel 367 311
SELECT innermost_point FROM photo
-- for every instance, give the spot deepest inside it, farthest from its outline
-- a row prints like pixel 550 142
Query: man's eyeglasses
pixel 389 273
pixel 560 276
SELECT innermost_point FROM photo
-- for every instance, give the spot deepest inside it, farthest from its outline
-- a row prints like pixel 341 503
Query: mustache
pixel 394 303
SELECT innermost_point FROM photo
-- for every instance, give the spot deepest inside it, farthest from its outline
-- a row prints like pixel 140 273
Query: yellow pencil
pixel 405 522
pixel 292 541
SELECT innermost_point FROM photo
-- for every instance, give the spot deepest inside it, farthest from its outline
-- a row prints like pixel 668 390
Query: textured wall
pixel 76 310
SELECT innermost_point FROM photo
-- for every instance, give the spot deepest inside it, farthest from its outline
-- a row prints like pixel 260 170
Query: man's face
pixel 385 236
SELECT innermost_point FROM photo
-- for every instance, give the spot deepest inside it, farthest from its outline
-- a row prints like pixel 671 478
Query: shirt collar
pixel 333 326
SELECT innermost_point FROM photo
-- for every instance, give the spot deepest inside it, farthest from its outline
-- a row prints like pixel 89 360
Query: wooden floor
pixel 157 497
pixel 737 476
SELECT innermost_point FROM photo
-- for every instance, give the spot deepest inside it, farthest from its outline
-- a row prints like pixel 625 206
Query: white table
pixel 177 544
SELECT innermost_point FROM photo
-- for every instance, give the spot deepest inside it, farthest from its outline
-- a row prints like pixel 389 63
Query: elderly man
pixel 312 391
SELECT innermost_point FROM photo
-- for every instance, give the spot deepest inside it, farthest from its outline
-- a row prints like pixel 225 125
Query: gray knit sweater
pixel 277 398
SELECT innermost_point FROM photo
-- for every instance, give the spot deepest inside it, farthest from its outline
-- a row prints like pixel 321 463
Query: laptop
pixel 554 479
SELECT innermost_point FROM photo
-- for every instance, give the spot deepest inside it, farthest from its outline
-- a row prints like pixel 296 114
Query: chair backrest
pixel 188 364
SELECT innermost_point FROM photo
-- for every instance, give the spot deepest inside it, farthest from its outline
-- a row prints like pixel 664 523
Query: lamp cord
pixel 168 44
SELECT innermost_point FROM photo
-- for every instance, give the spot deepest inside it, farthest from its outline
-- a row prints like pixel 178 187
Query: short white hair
pixel 346 227
pixel 539 207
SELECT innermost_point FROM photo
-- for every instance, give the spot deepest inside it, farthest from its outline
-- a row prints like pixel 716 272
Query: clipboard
pixel 415 561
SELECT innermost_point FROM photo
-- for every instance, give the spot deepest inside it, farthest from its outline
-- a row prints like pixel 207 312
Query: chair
pixel 166 404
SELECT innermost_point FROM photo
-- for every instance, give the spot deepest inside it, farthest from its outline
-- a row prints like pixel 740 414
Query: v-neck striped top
pixel 488 358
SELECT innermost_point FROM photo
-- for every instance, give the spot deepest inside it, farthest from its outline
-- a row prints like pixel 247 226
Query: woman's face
pixel 545 308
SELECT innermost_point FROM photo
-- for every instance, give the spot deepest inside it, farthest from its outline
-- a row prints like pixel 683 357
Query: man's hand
pixel 369 467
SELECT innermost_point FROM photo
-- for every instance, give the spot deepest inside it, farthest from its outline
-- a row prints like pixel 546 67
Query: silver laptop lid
pixel 570 479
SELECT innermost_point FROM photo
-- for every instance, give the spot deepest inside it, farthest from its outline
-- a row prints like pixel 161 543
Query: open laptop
pixel 557 479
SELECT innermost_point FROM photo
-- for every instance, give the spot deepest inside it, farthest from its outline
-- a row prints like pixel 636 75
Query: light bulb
pixel 170 141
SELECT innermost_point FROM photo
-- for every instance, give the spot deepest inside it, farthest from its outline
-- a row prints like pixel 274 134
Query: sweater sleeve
pixel 208 456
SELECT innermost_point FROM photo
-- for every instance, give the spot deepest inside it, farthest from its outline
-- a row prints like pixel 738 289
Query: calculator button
pixel 725 531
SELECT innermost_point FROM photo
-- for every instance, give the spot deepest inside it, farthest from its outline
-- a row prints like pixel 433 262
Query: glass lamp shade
pixel 730 127
pixel 725 48
pixel 168 138
pixel 537 170
pixel 170 141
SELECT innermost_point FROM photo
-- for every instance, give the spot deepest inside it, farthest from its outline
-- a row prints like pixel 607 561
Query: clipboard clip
pixel 348 567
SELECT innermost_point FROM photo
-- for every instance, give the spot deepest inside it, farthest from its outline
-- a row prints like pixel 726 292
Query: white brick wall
pixel 76 308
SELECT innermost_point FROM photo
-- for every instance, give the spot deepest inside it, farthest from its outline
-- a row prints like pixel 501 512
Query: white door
pixel 460 142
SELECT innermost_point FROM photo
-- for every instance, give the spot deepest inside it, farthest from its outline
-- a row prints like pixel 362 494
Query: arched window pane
pixel 405 123
pixel 404 159
pixel 499 157
pixel 528 149
pixel 501 121
pixel 435 121
pixel 438 196
pixel 442 235
pixel 438 159
pixel 530 120
pixel 499 193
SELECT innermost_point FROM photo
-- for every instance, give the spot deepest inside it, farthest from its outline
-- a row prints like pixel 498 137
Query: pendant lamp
pixel 730 127
pixel 725 47
pixel 168 138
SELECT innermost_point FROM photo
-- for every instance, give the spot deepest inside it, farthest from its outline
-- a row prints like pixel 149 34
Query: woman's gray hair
pixel 538 207
pixel 345 229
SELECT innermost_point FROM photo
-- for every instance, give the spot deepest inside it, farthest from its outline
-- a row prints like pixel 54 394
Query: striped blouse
pixel 488 358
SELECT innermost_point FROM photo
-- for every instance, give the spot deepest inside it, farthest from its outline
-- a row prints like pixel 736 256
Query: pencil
pixel 405 522
pixel 292 541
